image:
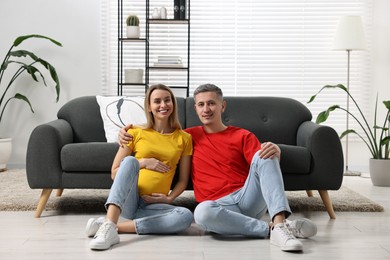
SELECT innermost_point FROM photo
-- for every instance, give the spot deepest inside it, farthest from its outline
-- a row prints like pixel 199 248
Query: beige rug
pixel 16 195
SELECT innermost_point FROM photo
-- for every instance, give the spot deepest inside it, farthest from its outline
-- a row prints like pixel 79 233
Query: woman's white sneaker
pixel 282 237
pixel 105 237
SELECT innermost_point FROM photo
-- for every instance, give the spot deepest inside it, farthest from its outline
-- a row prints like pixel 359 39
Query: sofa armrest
pixel 43 163
pixel 325 147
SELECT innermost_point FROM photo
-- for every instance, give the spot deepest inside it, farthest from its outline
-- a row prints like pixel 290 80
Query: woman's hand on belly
pixel 153 164
pixel 157 198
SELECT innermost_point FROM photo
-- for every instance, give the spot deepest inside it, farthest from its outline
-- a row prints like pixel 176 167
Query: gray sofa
pixel 72 153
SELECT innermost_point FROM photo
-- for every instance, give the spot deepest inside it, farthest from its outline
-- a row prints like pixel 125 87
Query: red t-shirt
pixel 221 161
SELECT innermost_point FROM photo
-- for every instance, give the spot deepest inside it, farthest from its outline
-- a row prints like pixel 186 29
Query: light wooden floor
pixel 351 236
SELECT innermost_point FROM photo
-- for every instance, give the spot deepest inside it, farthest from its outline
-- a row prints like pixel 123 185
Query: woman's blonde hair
pixel 173 119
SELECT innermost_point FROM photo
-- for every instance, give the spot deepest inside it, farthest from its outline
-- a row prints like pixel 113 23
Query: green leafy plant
pixel 132 20
pixel 24 62
pixel 377 137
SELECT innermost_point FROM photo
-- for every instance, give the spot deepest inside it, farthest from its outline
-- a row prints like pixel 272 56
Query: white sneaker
pixel 302 228
pixel 282 237
pixel 105 237
pixel 93 225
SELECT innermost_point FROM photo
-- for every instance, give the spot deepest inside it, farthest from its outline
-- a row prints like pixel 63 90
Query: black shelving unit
pixel 148 67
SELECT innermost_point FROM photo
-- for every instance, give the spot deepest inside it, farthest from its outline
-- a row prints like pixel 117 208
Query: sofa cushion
pixel 271 119
pixel 83 114
pixel 294 159
pixel 88 157
pixel 118 111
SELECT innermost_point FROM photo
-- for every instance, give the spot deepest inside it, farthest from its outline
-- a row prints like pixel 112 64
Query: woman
pixel 141 188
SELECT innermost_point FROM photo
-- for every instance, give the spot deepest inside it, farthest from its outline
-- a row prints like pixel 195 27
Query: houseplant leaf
pixel 387 104
pixel 375 143
pixel 323 116
pixel 346 132
pixel 29 66
pixel 25 99
pixel 21 39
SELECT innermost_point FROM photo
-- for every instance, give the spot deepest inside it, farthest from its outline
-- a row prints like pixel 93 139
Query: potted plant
pixel 27 63
pixel 376 137
pixel 132 30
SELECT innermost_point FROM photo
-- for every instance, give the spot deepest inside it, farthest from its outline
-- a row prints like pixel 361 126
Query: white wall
pixel 77 25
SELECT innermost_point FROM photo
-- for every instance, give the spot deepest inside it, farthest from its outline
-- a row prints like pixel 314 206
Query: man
pixel 240 181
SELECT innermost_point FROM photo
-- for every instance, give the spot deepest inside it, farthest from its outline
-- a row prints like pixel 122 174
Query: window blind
pixel 254 47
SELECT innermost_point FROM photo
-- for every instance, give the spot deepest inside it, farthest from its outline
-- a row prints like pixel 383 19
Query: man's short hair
pixel 208 88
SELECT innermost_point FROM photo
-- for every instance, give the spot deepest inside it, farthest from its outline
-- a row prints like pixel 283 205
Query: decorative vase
pixel 134 75
pixel 380 172
pixel 5 152
pixel 132 32
pixel 156 14
pixel 163 13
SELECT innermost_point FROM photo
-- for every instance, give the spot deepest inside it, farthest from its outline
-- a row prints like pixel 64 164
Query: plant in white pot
pixel 132 30
pixel 376 137
pixel 21 62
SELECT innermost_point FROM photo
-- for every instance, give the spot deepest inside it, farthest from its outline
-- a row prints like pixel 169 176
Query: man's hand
pixel 269 150
pixel 123 137
pixel 157 198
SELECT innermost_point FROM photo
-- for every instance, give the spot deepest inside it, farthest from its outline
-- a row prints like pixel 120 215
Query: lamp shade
pixel 349 34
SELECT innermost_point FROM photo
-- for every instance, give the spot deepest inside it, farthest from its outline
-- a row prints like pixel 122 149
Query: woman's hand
pixel 269 150
pixel 153 164
pixel 157 198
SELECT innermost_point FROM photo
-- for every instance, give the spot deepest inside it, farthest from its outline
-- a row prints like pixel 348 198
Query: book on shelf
pixel 169 59
pixel 168 65
pixel 176 9
pixel 182 15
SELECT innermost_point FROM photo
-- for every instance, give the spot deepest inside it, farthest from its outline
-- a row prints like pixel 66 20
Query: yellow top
pixel 167 148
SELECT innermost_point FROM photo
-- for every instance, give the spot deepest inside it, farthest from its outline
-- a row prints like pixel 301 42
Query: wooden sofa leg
pixel 328 203
pixel 42 202
pixel 59 192
pixel 309 193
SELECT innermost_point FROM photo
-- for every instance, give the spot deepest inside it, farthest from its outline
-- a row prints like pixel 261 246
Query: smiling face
pixel 160 105
pixel 209 107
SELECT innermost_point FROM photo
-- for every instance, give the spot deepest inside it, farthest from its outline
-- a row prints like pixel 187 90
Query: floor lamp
pixel 349 36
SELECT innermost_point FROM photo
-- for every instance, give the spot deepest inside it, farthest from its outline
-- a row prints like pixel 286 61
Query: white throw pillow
pixel 118 111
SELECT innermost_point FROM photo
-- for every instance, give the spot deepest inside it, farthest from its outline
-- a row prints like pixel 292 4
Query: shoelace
pixel 103 230
pixel 295 231
pixel 287 234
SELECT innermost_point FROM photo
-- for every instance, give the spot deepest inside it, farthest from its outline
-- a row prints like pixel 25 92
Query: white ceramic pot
pixel 134 75
pixel 132 32
pixel 163 13
pixel 380 172
pixel 5 152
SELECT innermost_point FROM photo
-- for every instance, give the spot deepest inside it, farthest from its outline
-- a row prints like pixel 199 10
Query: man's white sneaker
pixel 302 228
pixel 105 237
pixel 93 225
pixel 282 237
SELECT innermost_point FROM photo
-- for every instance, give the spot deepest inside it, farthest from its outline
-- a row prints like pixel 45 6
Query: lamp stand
pixel 347 172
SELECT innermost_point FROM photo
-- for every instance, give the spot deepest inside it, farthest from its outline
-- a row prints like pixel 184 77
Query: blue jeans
pixel 148 218
pixel 239 213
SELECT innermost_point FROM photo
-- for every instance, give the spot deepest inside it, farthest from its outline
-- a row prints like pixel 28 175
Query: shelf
pixel 132 84
pixel 133 39
pixel 181 87
pixel 167 21
pixel 154 28
pixel 168 68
